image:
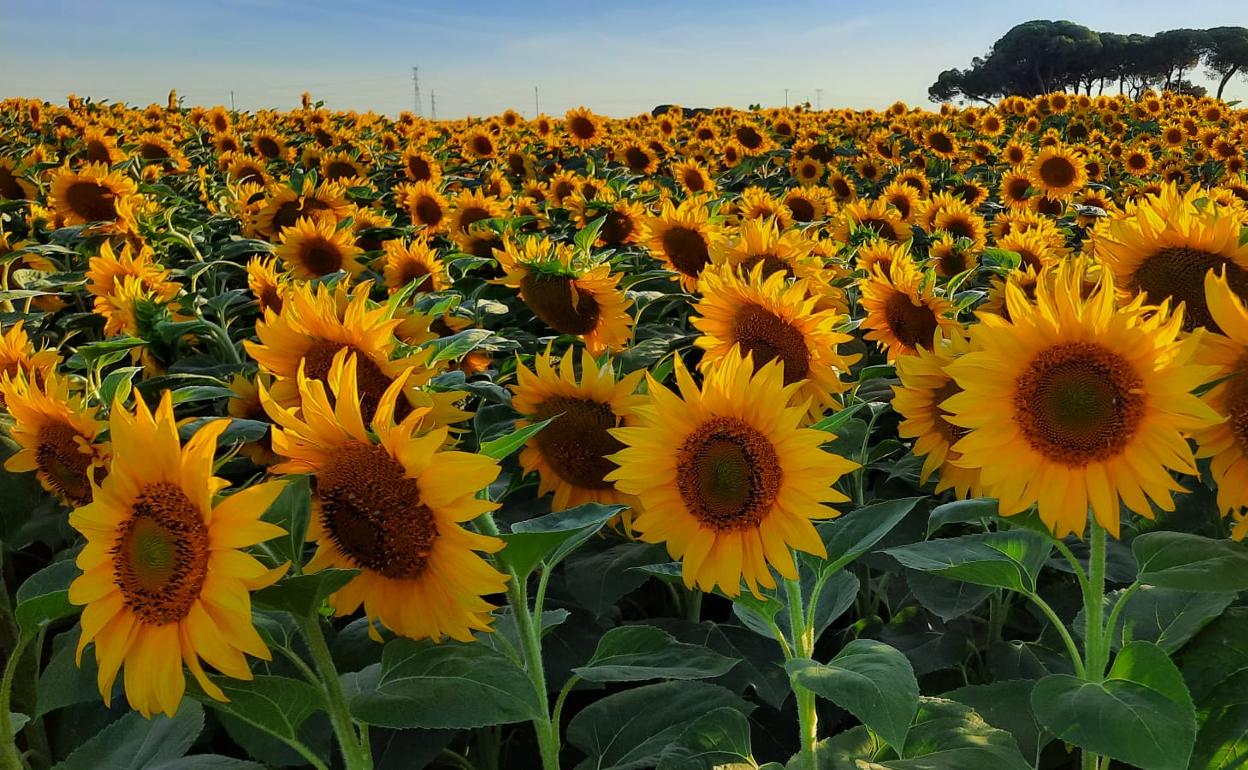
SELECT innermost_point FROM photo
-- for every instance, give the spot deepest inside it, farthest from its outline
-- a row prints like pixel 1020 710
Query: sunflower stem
pixel 1095 652
pixel 10 759
pixel 355 753
pixel 803 647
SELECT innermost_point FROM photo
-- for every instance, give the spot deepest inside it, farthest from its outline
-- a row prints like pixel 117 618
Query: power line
pixel 433 105
pixel 818 98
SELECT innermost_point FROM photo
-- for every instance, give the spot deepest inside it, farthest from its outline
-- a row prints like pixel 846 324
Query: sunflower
pixel 807 204
pixel 1163 246
pixel 807 170
pixel 693 176
pixel 267 284
pixel 341 167
pixel 584 127
pixel 570 454
pixel 316 322
pixel 623 221
pixel 99 147
pixel 19 357
pixel 902 197
pixel 285 206
pixel 91 194
pixel 683 237
pixel 873 218
pixel 420 166
pixel 393 508
pixel 1227 442
pixel 1091 403
pixel 55 433
pixel 108 269
pixel 569 297
pixel 772 319
pixel 165 580
pixel 1035 251
pixel 882 253
pixel 413 261
pixel 941 142
pixel 471 207
pixel 1058 172
pixel 925 385
pixel 902 312
pixel 313 248
pixel 761 241
pixel 13 184
pixel 947 257
pixel 479 144
pixel 725 477
pixel 269 144
pixel 425 205
pixel 961 221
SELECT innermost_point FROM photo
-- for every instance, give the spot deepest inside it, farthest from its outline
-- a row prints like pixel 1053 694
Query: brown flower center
pixel 373 511
pixel 616 229
pixel 1057 172
pixel 427 211
pixel 728 474
pixel 320 257
pixel 576 444
pixel 1178 274
pixel 951 433
pixel 371 381
pixel 161 554
pixel 913 324
pixel 686 250
pixel 63 464
pixel 561 303
pixel 91 201
pixel 769 338
pixel 1078 402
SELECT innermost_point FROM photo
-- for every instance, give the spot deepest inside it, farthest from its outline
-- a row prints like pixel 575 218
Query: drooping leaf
pixel 552 537
pixel 135 743
pixel 1191 562
pixel 1010 559
pixel 638 653
pixel 44 596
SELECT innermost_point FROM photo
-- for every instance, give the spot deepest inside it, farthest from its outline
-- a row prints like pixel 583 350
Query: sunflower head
pixel 314 248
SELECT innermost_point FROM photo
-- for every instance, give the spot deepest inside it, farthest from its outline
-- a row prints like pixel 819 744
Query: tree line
pixel 1039 57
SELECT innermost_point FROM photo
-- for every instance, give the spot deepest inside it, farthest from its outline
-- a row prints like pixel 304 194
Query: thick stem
pixel 803 647
pixel 531 642
pixel 355 753
pixel 10 759
pixel 1097 656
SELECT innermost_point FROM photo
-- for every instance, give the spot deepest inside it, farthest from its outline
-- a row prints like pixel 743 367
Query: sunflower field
pixel 781 438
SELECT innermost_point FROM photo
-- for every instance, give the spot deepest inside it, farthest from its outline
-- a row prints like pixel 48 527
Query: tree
pixel 1226 53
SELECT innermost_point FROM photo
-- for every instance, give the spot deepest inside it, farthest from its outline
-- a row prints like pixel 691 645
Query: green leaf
pixel 116 386
pixel 598 578
pixel 1007 705
pixel 207 762
pixel 717 740
pixel 631 729
pixel 1191 562
pixel 1217 653
pixel 1166 617
pixel 552 537
pixel 1223 738
pixel 193 393
pixel 962 511
pixel 638 653
pixel 505 445
pixel 869 679
pixel 449 685
pixel 135 743
pixel 44 597
pixel 1009 559
pixel 291 511
pixel 275 704
pixel 945 597
pixel 832 423
pixel 950 736
pixel 1141 714
pixel 62 682
pixel 17 722
pixel 303 594
pixel 852 535
pixel 457 346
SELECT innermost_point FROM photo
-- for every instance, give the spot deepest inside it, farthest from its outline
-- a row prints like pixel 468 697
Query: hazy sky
pixel 481 57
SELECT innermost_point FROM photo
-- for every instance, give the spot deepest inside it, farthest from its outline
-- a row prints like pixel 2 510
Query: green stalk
pixel 803 647
pixel 9 758
pixel 531 642
pixel 1094 612
pixel 356 754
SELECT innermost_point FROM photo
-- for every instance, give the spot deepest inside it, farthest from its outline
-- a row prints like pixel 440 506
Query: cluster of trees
pixel 1042 56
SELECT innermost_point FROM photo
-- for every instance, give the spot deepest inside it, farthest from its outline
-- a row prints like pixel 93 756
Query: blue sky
pixel 482 57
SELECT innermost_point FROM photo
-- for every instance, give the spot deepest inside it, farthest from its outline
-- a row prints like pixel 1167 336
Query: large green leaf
pixel 1010 559
pixel 631 729
pixel 946 597
pixel 1007 705
pixel 1217 653
pixel 1222 742
pixel 638 653
pixel 1165 616
pixel 869 679
pixel 303 594
pixel 1141 714
pixel 850 536
pixel 44 596
pixel 950 736
pixel 291 511
pixel 1191 562
pixel 275 704
pixel 135 743
pixel 597 578
pixel 450 685
pixel 552 537
pixel 962 511
pixel 504 446
pixel 717 740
